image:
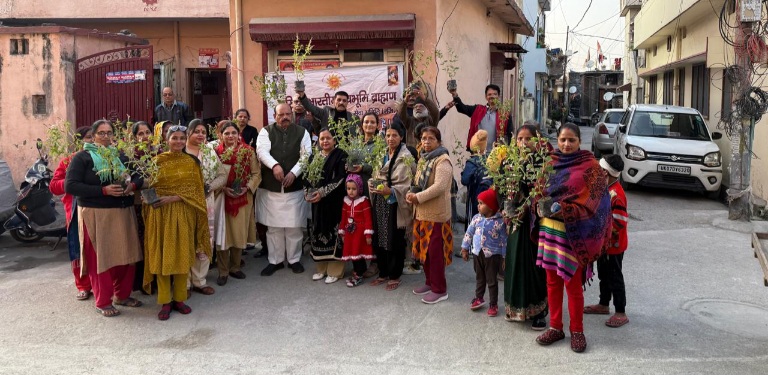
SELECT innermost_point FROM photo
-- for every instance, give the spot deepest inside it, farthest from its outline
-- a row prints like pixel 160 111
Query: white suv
pixel 670 147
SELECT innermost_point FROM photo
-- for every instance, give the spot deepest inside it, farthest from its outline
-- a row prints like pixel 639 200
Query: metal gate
pixel 114 85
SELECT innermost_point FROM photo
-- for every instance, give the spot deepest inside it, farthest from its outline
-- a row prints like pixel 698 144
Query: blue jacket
pixel 473 177
pixel 486 234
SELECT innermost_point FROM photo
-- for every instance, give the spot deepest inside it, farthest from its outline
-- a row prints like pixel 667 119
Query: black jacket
pixel 83 183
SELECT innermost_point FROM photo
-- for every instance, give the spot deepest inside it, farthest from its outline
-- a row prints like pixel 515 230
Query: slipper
pixel 83 295
pixel 207 290
pixel 108 312
pixel 392 285
pixel 165 312
pixel 616 321
pixel 596 309
pixel 378 281
pixel 130 302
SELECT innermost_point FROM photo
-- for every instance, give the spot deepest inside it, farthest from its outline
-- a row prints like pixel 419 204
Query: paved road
pixel 697 305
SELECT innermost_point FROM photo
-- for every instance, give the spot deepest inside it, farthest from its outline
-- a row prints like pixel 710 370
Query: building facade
pixel 535 72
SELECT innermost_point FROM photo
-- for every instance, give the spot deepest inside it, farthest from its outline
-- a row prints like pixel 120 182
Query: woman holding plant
pixel 214 178
pixel 243 178
pixel 392 213
pixel 327 197
pixel 525 289
pixel 432 232
pixel 575 222
pixel 370 130
pixel 109 244
pixel 175 225
pixel 83 134
pixel 143 148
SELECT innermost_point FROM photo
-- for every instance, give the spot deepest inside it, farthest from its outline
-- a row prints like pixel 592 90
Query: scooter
pixel 37 214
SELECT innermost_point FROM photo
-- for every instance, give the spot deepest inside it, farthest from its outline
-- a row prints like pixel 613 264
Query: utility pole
pixel 565 77
pixel 739 192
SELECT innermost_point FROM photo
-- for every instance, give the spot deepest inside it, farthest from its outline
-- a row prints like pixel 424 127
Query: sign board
pixel 126 76
pixel 374 88
pixel 287 65
pixel 208 57
pixel 751 10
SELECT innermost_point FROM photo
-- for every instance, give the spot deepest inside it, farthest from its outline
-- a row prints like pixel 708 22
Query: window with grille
pixel 669 82
pixel 38 105
pixel 19 46
pixel 652 89
pixel 700 88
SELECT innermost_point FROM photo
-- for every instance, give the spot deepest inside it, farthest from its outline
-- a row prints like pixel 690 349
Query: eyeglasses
pixel 166 94
pixel 105 134
pixel 178 128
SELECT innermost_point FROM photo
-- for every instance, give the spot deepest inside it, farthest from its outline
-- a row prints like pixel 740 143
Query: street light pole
pixel 565 76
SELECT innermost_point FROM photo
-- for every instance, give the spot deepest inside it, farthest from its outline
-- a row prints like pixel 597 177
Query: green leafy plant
pixel 510 167
pixel 61 140
pixel 271 88
pixel 409 162
pixel 342 132
pixel 242 157
pixel 312 166
pixel 300 53
pixel 448 62
pixel 459 154
pixel 375 157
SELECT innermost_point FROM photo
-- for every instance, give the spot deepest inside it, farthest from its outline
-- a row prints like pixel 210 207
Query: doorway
pixel 210 99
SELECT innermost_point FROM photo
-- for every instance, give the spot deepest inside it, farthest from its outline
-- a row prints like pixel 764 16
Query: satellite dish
pixel 590 64
pixel 572 89
pixel 608 96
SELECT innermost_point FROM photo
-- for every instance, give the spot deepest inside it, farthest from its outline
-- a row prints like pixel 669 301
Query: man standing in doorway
pixel 172 110
pixel 281 203
pixel 485 117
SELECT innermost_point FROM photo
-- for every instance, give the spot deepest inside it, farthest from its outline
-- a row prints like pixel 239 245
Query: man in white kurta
pixel 280 199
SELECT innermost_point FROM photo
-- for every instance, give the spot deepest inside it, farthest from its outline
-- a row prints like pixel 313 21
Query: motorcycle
pixel 37 214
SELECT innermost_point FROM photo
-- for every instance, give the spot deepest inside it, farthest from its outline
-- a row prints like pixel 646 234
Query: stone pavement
pixel 696 302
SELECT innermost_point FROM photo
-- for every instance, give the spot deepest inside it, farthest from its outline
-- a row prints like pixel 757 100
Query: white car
pixel 670 147
pixel 604 136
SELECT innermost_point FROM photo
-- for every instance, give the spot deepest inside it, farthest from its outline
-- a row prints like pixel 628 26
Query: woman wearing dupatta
pixel 109 244
pixel 214 178
pixel 243 179
pixel 432 232
pixel 326 211
pixel 176 225
pixel 392 214
pixel 525 286
pixel 574 226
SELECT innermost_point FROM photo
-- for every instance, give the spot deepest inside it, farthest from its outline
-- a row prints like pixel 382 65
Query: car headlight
pixel 635 153
pixel 712 159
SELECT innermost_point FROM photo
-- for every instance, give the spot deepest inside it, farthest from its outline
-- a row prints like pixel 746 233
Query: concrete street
pixel 696 303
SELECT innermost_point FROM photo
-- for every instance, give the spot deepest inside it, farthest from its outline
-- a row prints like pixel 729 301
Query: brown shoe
pixel 207 290
pixel 372 271
pixel 578 342
pixel 550 337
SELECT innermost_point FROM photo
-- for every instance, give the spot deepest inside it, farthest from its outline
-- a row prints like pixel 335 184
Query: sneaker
pixel 433 298
pixel 331 279
pixel 271 268
pixel 539 324
pixel 551 336
pixel 318 276
pixel 493 310
pixel 411 270
pixel 354 281
pixel 422 290
pixel 296 267
pixel 578 342
pixel 477 303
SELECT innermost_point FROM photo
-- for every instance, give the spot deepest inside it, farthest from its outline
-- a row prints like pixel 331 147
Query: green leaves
pixel 312 167
pixel 300 53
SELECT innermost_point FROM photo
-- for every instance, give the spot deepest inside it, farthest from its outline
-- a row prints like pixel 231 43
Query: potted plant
pixel 419 166
pixel 356 151
pixel 312 168
pixel 375 158
pixel 241 158
pixel 448 63
pixel 272 88
pixel 300 53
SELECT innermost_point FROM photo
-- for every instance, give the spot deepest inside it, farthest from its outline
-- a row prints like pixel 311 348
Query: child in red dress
pixel 356 229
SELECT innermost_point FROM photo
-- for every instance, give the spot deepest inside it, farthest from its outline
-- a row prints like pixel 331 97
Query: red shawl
pixel 474 124
pixel 580 186
pixel 238 156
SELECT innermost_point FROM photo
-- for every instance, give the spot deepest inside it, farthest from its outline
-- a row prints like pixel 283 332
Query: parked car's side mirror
pixel 622 128
pixel 717 135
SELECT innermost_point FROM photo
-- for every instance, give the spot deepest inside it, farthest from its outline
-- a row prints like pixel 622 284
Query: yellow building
pixel 677 57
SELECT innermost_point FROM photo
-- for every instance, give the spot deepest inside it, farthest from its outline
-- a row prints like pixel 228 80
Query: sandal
pixel 207 290
pixel 597 309
pixel 378 281
pixel 83 295
pixel 392 285
pixel 181 307
pixel 130 302
pixel 165 312
pixel 616 321
pixel 108 311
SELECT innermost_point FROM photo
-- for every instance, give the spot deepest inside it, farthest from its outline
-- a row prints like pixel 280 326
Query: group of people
pixel 244 185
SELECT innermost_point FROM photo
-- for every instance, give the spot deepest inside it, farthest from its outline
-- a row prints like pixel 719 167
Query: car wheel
pixel 627 186
pixel 26 236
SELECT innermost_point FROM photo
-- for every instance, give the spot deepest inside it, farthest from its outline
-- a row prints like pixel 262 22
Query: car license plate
pixel 674 169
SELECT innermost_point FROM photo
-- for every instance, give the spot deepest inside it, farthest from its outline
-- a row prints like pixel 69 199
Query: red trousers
pixel 575 292
pixel 434 264
pixel 116 281
pixel 83 283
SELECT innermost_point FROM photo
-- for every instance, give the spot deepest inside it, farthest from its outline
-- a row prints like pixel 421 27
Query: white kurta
pixel 282 210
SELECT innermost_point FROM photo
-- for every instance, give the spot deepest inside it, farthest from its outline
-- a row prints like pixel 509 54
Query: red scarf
pixel 232 205
pixel 474 124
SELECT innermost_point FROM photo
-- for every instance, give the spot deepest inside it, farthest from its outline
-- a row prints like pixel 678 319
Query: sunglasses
pixel 178 128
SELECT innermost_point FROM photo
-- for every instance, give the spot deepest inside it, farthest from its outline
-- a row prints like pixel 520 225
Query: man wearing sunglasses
pixel 172 110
